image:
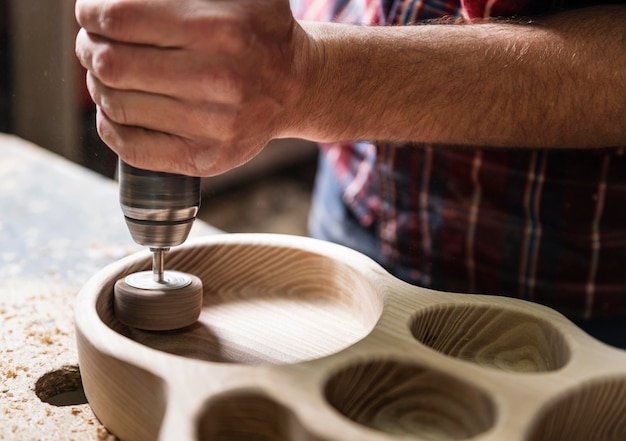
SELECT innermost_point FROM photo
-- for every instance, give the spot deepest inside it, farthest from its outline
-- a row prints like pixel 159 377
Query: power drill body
pixel 159 209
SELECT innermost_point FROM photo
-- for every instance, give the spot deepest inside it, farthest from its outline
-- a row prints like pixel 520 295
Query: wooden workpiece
pixel 59 225
pixel 297 340
pixel 302 340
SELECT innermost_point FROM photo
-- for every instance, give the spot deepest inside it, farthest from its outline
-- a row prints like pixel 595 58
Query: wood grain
pixel 302 340
pixel 595 410
pixel 492 337
pixel 409 400
pixel 248 416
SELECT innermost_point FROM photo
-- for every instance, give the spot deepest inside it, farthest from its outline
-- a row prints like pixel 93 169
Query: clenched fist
pixel 195 87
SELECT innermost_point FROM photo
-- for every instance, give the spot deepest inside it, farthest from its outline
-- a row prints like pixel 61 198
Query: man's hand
pixel 195 87
pixel 200 86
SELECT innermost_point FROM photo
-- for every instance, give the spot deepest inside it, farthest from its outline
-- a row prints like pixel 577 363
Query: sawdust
pixel 105 435
pixel 38 338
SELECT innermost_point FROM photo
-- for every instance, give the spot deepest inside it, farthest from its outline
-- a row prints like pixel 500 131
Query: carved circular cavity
pixel 408 400
pixel 595 411
pixel 492 337
pixel 61 387
pixel 246 416
pixel 264 303
pixel 145 280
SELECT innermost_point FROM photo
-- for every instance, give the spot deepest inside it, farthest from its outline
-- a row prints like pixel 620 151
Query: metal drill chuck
pixel 159 208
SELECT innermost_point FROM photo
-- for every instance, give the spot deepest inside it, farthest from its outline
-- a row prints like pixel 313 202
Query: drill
pixel 159 209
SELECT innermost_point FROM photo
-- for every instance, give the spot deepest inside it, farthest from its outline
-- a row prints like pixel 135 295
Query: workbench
pixel 59 225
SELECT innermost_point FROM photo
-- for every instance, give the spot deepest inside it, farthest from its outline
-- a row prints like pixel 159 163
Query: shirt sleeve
pixel 511 8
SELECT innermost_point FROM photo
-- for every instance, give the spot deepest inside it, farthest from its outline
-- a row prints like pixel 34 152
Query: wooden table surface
pixel 59 225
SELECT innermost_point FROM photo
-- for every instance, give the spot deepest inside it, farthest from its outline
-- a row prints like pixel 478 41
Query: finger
pixel 191 120
pixel 142 22
pixel 156 150
pixel 127 66
pixel 162 22
pixel 172 72
pixel 159 151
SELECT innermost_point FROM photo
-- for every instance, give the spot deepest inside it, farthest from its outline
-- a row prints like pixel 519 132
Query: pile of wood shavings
pixel 37 338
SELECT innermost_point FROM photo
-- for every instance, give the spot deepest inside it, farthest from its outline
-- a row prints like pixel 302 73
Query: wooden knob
pixel 142 303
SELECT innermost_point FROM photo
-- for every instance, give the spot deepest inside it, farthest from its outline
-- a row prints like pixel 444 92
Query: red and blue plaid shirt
pixel 542 225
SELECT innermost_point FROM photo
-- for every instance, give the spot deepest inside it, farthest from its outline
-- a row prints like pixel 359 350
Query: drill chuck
pixel 159 208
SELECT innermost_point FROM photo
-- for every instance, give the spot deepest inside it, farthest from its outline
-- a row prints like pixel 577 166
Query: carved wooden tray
pixel 304 340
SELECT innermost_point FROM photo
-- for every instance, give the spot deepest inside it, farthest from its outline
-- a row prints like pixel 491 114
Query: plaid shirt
pixel 542 225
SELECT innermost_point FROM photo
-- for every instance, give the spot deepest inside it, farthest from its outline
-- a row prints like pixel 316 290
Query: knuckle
pixel 131 156
pixel 92 88
pixel 80 47
pixel 107 17
pixel 126 151
pixel 113 15
pixel 110 104
pixel 83 12
pixel 116 112
pixel 105 64
pixel 112 134
pixel 106 132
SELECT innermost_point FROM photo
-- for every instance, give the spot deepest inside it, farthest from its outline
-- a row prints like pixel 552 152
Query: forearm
pixel 559 81
pixel 226 77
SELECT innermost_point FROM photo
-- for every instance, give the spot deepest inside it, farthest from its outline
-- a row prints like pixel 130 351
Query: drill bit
pixel 158 264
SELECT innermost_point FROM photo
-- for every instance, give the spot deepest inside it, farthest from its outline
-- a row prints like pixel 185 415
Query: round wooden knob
pixel 173 303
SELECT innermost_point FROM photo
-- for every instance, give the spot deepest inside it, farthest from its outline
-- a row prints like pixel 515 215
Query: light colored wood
pixel 303 340
pixel 59 225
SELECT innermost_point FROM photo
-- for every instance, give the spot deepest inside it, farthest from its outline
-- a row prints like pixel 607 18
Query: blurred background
pixel 43 99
